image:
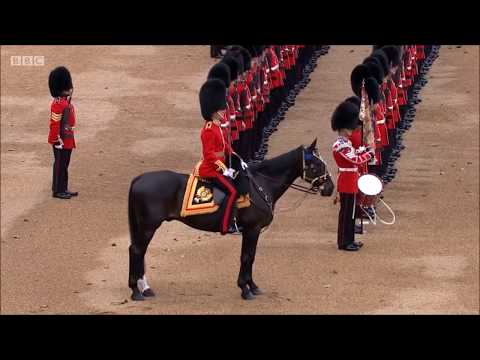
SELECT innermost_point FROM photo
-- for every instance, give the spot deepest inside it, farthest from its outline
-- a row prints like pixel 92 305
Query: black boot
pixel 234 228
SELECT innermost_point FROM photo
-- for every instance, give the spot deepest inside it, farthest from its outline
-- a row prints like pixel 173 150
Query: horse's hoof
pixel 148 293
pixel 137 295
pixel 256 291
pixel 247 295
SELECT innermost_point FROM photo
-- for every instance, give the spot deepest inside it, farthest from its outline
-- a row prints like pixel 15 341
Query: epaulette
pixel 208 125
pixel 340 144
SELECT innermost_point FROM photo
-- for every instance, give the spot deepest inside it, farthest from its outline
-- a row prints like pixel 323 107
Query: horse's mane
pixel 270 166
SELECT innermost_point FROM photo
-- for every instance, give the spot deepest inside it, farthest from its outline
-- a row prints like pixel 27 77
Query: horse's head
pixel 315 170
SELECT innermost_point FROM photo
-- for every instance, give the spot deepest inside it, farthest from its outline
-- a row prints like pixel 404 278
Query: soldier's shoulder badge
pixel 340 143
pixel 208 125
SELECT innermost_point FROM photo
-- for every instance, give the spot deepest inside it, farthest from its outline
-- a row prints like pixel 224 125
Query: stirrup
pixel 234 228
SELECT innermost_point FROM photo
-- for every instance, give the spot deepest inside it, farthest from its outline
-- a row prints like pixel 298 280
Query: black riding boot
pixel 234 228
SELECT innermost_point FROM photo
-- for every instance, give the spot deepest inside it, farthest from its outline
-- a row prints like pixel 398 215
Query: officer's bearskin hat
pixel 234 64
pixel 345 116
pixel 393 54
pixel 220 71
pixel 382 57
pixel 354 100
pixel 59 81
pixel 359 73
pixel 212 97
pixel 375 70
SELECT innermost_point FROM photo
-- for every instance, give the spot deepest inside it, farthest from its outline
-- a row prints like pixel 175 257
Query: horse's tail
pixel 132 218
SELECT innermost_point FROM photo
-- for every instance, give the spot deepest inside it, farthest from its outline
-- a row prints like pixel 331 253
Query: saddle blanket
pixel 201 197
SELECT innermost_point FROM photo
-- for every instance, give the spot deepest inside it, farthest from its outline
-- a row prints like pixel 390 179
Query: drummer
pixel 345 120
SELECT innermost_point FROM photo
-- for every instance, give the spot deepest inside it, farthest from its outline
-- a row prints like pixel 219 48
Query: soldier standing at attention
pixel 345 120
pixel 62 123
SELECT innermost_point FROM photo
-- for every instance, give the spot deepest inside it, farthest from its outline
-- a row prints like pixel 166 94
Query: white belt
pixel 380 122
pixel 274 68
pixel 348 169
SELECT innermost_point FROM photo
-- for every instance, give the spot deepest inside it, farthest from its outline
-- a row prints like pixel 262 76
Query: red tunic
pixel 394 93
pixel 357 140
pixel 231 113
pixel 380 122
pixel 274 70
pixel 402 91
pixel 420 52
pixel 246 105
pixel 214 150
pixel 56 111
pixel 265 82
pixel 348 161
pixel 389 114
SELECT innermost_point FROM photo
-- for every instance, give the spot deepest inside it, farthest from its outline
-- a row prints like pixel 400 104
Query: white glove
pixel 59 146
pixel 243 164
pixel 229 173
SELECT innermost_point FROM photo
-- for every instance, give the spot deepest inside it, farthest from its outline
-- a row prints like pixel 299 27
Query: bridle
pixel 316 182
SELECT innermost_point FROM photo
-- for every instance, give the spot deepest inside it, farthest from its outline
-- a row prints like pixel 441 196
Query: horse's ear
pixel 314 145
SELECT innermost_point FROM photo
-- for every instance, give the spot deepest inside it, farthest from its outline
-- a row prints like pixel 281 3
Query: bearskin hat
pixel 258 49
pixel 212 97
pixel 220 71
pixel 373 90
pixel 246 57
pixel 354 100
pixel 359 73
pixel 375 70
pixel 372 59
pixel 233 64
pixel 393 54
pixel 242 55
pixel 246 53
pixel 345 116
pixel 382 57
pixel 59 81
pixel 376 47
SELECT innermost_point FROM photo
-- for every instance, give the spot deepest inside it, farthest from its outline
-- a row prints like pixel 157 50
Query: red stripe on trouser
pixel 231 198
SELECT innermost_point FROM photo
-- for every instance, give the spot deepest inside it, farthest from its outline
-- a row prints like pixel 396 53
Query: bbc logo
pixel 27 60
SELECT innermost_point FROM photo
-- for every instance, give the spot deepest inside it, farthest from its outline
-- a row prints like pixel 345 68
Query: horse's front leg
pixel 249 247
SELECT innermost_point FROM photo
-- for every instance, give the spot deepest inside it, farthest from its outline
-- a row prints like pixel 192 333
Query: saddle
pixel 202 197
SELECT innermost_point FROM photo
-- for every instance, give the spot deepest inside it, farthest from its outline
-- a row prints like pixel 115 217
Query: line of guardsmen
pixel 392 77
pixel 262 83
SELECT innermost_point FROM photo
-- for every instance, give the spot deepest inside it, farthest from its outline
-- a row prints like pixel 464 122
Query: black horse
pixel 156 197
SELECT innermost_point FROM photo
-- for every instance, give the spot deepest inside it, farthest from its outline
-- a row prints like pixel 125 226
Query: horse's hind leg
pixel 137 280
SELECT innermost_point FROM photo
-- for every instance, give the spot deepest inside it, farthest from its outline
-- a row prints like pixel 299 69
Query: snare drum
pixel 369 187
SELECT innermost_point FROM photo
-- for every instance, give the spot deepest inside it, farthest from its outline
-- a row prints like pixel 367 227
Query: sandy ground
pixel 137 111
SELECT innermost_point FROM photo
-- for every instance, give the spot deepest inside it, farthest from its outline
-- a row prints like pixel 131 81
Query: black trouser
pixel 387 151
pixel 60 169
pixel 346 220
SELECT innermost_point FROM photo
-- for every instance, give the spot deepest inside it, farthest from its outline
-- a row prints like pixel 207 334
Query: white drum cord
pixel 375 215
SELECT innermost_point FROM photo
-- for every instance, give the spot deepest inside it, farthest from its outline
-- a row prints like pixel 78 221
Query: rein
pixel 313 189
pixel 298 187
